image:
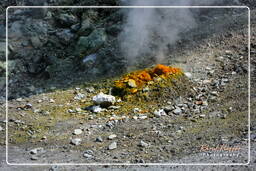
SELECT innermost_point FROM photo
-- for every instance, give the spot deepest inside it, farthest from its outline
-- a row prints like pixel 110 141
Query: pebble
pixel 99 139
pixel 136 110
pixel 177 111
pixel 52 101
pixel 143 117
pixel 1 128
pixel 143 144
pixel 202 116
pixel 112 146
pixel 34 157
pixel 112 136
pixel 78 109
pixel 19 99
pixel 37 111
pixel 78 131
pixel 79 96
pixel 90 89
pixel 76 141
pixel 159 113
pixel 96 109
pixel 71 111
pixel 214 93
pixel 114 107
pixel 28 106
pixel 188 74
pixel 88 156
pixel 168 108
pixel 36 150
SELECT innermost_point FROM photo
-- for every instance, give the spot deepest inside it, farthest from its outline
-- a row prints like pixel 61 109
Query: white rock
pixel 104 99
pixel 112 136
pixel 52 101
pixel 143 117
pixel 78 131
pixel 188 74
pixel 143 144
pixel 135 117
pixel 96 109
pixel 76 141
pixel 1 128
pixel 202 116
pixel 88 156
pixel 19 99
pixel 112 146
pixel 79 96
pixel 159 113
pixel 71 111
pixel 36 150
pixel 177 111
pixel 78 109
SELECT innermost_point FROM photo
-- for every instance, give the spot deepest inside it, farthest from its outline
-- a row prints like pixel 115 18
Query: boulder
pixel 104 100
pixel 90 44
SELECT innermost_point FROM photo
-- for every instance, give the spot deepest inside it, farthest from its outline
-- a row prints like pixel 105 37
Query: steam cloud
pixel 151 30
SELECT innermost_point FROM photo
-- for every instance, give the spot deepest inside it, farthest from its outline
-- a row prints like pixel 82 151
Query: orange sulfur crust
pixel 136 80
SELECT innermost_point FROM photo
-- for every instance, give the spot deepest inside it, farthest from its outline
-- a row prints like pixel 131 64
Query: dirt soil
pixel 216 114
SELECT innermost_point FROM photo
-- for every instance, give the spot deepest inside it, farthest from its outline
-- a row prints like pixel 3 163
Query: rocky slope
pixel 47 116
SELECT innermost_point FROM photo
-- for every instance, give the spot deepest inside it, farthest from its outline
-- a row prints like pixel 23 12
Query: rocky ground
pixel 50 122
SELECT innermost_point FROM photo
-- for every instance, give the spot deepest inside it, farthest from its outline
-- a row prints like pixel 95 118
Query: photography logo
pixel 223 150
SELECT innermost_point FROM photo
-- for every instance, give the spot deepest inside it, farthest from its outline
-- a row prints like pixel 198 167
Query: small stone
pixel 39 101
pixel 228 52
pixel 112 136
pixel 223 116
pixel 78 109
pixel 114 107
pixel 112 146
pixel 99 139
pixel 96 109
pixel 159 113
pixel 132 83
pixel 188 74
pixel 28 106
pixel 1 128
pixel 19 99
pixel 135 117
pixel 88 156
pixel 37 111
pixel 168 108
pixel 34 157
pixel 52 101
pixel 177 111
pixel 143 117
pixel 36 150
pixel 136 110
pixel 202 116
pixel 143 144
pixel 214 93
pixel 79 96
pixel 71 111
pixel 76 141
pixel 145 89
pixel 78 131
pixel 207 81
pixel 90 89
